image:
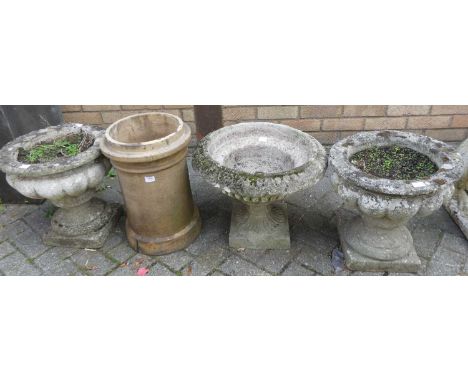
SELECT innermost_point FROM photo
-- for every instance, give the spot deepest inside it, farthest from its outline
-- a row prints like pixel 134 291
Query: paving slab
pixel 16 264
pixel 295 269
pixel 236 266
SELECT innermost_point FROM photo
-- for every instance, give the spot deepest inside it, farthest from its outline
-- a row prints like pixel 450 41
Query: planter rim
pixel 9 153
pixel 448 161
pixel 148 150
pixel 246 184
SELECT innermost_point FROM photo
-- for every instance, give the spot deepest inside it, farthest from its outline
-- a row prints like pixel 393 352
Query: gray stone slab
pixel 121 253
pixel 312 221
pixel 195 269
pixel 295 269
pixel 12 212
pixel 11 231
pixel 271 260
pixel 319 262
pixel 6 248
pixel 160 270
pixel 455 244
pixel 320 243
pixel 130 268
pixel 112 241
pixel 30 243
pixel 236 266
pixel 360 273
pixel 56 262
pixel 218 273
pixel 439 219
pixel 328 204
pixel 93 262
pixel 38 221
pixel 17 264
pixel 426 239
pixel 175 261
pixel 445 263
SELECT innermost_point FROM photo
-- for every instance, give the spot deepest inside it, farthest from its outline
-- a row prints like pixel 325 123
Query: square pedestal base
pixel 94 239
pixel 357 262
pixel 268 234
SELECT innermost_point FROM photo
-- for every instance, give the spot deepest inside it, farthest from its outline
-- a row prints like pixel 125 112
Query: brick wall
pixel 104 115
pixel 332 122
pixel 327 123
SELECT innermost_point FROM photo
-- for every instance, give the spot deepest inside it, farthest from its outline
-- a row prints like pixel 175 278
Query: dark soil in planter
pixel 65 147
pixel 394 162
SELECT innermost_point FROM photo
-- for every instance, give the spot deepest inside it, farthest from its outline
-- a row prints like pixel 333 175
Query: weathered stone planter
pixel 457 206
pixel 69 183
pixel 378 240
pixel 149 153
pixel 259 164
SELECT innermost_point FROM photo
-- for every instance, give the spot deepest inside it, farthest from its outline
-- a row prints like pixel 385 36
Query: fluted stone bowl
pixel 258 163
pixel 68 182
pixel 378 239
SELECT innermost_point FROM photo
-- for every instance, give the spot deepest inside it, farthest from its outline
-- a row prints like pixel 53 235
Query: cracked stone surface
pixel 440 244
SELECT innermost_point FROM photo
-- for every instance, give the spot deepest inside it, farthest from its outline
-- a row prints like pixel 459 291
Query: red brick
pixel 303 124
pixel 112 116
pixel 460 121
pixel 92 118
pixel 320 111
pixel 239 113
pixel 68 108
pixel 175 106
pixel 100 107
pixel 449 109
pixel 364 110
pixel 428 122
pixel 397 110
pixel 397 123
pixel 326 137
pixel 277 112
pixel 343 124
pixel 141 107
pixel 449 135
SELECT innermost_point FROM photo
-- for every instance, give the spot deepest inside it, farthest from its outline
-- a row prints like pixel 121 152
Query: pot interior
pixel 260 148
pixel 144 128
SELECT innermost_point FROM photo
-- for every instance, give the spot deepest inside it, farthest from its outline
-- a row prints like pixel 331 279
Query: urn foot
pixel 259 226
pixel 376 249
pixel 158 246
pixel 83 226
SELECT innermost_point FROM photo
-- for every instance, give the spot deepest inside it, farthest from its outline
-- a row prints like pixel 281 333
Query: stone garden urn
pixel 68 182
pixel 149 153
pixel 457 206
pixel 377 239
pixel 258 164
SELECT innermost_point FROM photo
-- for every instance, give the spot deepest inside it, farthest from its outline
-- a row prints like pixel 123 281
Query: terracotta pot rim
pixel 147 150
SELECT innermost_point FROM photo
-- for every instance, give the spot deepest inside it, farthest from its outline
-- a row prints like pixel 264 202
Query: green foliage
pixel 50 212
pixel 394 162
pixel 111 173
pixel 48 151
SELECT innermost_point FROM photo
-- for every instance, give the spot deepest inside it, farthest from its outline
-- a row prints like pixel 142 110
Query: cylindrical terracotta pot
pixel 148 152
